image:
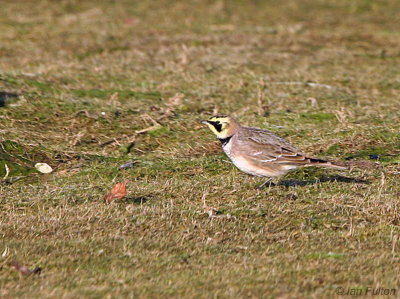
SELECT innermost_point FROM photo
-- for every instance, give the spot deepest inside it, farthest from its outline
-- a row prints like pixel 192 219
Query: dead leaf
pixel 23 270
pixel 117 192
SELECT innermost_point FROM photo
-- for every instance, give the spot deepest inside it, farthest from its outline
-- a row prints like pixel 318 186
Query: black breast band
pixel 224 141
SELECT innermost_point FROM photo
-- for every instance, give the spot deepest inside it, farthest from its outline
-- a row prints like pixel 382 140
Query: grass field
pixel 86 86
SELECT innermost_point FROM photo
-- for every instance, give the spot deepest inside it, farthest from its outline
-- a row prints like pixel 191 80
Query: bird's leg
pixel 266 182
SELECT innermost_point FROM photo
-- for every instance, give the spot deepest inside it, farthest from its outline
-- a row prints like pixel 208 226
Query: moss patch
pixel 20 159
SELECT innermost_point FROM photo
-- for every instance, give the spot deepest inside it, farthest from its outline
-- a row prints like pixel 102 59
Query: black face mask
pixel 217 125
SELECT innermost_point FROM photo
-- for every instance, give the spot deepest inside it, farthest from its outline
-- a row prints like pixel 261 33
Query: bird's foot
pixel 269 182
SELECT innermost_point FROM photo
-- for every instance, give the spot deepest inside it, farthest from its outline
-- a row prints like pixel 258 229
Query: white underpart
pixel 227 148
pixel 244 165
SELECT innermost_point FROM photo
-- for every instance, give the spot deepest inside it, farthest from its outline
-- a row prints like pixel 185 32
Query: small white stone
pixel 43 167
pixel 103 113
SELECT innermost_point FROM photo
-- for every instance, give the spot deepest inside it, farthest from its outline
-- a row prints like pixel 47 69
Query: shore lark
pixel 260 152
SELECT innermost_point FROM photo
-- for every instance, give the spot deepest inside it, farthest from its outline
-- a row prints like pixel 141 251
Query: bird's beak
pixel 204 122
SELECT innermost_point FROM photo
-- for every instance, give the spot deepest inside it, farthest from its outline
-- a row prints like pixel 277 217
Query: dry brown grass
pixel 100 84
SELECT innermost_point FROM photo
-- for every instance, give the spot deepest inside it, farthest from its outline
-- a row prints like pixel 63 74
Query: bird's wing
pixel 263 146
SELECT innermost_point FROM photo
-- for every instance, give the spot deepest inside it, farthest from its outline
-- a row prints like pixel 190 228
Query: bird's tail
pixel 323 163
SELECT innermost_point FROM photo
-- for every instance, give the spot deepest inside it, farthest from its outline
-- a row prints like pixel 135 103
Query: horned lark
pixel 259 152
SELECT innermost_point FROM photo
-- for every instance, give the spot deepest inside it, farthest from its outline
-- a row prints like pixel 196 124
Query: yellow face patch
pixel 219 125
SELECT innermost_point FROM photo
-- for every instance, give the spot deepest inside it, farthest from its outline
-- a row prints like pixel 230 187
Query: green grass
pixel 103 83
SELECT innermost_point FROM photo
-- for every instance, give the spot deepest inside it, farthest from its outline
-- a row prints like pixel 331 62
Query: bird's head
pixel 223 126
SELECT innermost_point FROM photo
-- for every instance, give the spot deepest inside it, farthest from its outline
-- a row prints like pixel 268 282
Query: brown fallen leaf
pixel 23 270
pixel 117 192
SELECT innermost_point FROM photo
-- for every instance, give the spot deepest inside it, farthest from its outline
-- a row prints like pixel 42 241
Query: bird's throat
pixel 224 141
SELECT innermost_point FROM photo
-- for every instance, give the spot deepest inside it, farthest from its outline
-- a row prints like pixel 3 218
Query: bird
pixel 260 152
